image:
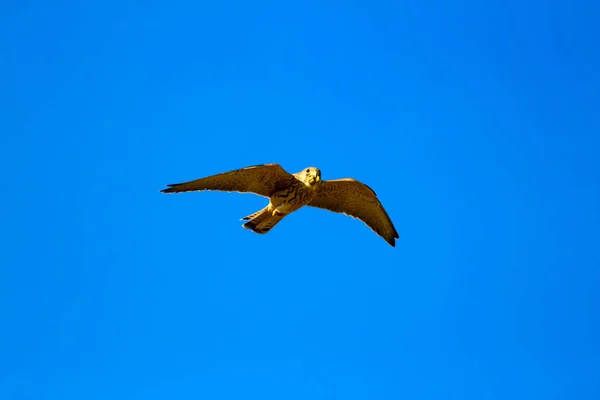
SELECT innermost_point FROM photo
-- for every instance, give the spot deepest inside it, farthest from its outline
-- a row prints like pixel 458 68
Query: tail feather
pixel 262 221
pixel 253 215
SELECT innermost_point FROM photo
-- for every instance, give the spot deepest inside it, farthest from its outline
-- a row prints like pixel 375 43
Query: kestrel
pixel 289 192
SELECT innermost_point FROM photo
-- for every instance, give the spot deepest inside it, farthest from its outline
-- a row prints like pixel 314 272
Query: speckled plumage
pixel 289 192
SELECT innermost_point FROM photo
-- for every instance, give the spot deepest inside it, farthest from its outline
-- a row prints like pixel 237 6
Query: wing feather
pixel 353 198
pixel 263 180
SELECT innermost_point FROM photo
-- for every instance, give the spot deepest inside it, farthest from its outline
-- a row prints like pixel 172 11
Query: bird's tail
pixel 263 221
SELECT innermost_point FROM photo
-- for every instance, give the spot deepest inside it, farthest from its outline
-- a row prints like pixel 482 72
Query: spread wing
pixel 353 198
pixel 263 180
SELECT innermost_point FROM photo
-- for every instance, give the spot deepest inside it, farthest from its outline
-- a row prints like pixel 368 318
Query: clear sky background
pixel 477 124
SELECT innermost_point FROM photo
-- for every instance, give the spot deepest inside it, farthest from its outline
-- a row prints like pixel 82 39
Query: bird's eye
pixel 307 171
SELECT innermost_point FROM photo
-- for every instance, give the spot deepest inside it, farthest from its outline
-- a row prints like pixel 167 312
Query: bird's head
pixel 311 176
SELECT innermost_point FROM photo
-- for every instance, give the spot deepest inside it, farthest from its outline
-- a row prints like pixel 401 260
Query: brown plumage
pixel 289 192
pixel 353 198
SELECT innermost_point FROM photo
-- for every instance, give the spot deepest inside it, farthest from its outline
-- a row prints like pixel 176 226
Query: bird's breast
pixel 292 198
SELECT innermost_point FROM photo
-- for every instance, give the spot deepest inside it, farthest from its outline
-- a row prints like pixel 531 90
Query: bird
pixel 289 192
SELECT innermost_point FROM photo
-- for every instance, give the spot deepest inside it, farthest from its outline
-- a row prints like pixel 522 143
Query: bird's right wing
pixel 353 198
pixel 263 180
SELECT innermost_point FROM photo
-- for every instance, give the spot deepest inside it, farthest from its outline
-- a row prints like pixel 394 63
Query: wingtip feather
pixel 172 188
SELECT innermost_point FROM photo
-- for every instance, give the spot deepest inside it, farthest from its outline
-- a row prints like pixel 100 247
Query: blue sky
pixel 476 124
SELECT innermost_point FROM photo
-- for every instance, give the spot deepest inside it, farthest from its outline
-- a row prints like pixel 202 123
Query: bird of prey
pixel 289 192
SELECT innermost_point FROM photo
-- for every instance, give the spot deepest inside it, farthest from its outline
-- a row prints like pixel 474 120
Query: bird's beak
pixel 318 178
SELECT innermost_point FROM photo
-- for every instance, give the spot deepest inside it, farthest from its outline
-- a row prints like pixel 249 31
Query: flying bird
pixel 289 192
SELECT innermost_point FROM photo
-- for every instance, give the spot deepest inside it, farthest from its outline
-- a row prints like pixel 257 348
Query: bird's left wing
pixel 263 180
pixel 353 198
